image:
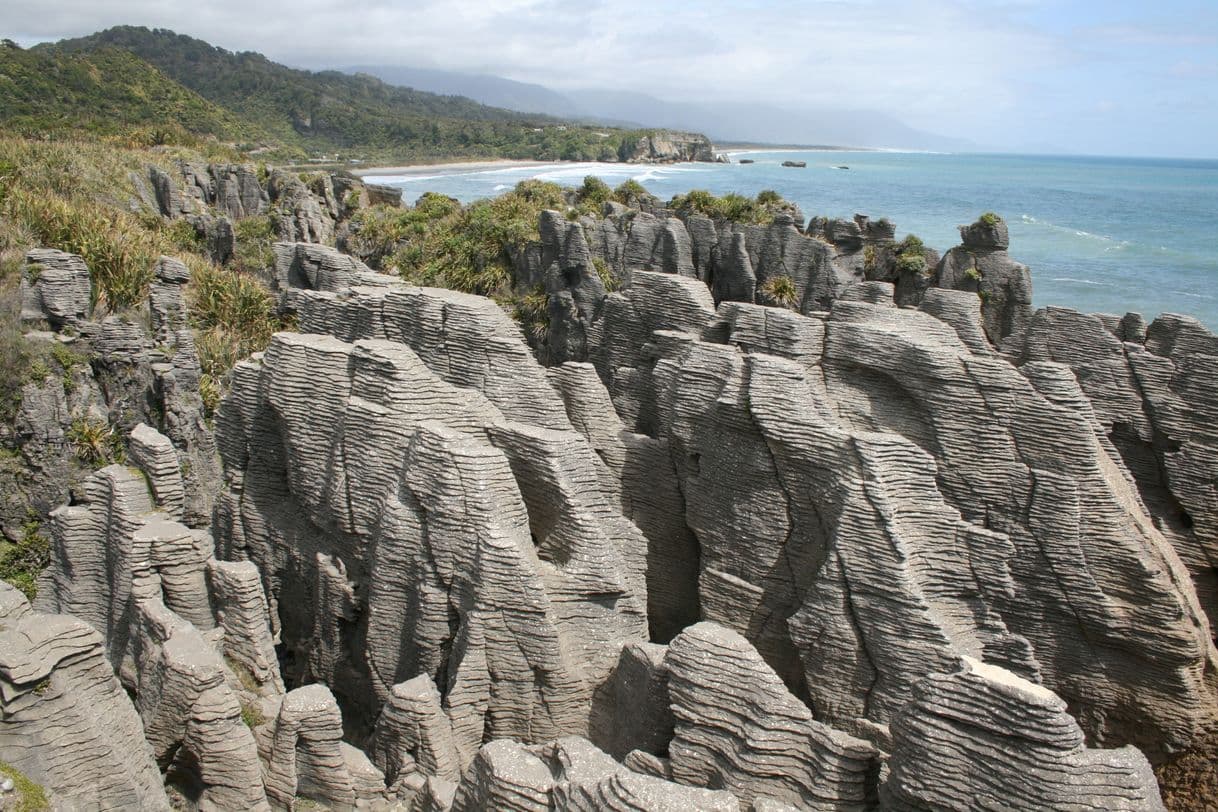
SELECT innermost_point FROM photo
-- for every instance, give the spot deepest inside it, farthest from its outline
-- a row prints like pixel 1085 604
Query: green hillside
pixel 357 115
pixel 106 92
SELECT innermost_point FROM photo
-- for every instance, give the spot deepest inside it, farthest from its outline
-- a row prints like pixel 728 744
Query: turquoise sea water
pixel 1100 234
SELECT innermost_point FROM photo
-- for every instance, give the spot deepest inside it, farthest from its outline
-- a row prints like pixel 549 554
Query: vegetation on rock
pixel 780 290
pixel 21 562
pixel 148 87
pixel 733 207
pixel 29 797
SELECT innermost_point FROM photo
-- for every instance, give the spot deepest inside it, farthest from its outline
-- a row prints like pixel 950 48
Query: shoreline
pixel 448 168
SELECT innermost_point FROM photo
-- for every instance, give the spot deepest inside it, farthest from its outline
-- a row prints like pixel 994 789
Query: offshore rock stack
pixel 897 546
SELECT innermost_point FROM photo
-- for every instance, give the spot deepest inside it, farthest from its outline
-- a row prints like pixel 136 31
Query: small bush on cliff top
pixel 469 249
pixel 989 218
pixel 630 192
pixel 591 197
pixel 731 206
pixel 910 256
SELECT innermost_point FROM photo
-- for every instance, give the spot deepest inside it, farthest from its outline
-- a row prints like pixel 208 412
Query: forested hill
pixel 244 97
pixel 107 92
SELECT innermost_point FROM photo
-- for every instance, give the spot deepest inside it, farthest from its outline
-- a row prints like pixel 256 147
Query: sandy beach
pixel 432 169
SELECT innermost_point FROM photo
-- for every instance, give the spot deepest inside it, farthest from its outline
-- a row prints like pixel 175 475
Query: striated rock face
pixel 483 546
pixel 850 461
pixel 981 263
pixel 299 214
pixel 669 146
pixel 1152 393
pixel 64 719
pixel 55 287
pixel 982 738
pixel 738 728
pixel 839 554
pixel 169 617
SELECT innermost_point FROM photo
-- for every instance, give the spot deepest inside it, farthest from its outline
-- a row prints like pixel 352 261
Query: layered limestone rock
pixel 107 377
pixel 302 214
pixel 168 616
pixel 65 721
pixel 981 264
pixel 668 146
pixel 484 537
pixel 849 462
pixel 55 288
pixel 1152 392
pixel 166 302
pixel 983 738
pixel 738 728
pixel 308 759
pixel 571 774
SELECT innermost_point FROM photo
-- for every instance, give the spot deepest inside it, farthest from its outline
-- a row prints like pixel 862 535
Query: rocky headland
pixel 748 515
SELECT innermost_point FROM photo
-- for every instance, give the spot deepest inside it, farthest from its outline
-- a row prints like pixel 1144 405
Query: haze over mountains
pixel 730 121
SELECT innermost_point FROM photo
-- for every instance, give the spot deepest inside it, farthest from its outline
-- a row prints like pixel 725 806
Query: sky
pixel 1103 77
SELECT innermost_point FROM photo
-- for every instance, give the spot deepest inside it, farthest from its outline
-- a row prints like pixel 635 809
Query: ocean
pixel 1107 235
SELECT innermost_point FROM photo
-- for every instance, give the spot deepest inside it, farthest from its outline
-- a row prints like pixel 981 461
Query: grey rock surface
pixel 430 567
pixel 1152 392
pixel 766 448
pixel 983 738
pixel 737 727
pixel 981 263
pixel 64 719
pixel 55 288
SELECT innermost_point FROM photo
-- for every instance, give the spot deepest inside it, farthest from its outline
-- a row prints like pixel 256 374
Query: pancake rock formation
pixel 778 516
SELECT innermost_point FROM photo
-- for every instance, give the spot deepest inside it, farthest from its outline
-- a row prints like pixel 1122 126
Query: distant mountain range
pixel 132 81
pixel 721 121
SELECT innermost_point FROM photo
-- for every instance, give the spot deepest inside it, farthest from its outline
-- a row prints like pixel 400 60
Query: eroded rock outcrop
pixel 64 719
pixel 948 443
pixel 735 560
pixel 737 727
pixel 981 263
pixel 141 580
pixel 982 738
pixel 482 539
pixel 1152 392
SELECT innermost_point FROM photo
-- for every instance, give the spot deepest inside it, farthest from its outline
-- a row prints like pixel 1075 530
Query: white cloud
pixel 950 66
pixel 928 57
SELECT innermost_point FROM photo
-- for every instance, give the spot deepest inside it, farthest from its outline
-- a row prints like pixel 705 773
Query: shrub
pixel 734 207
pixel 592 195
pixel 780 290
pixel 252 715
pixel 120 252
pixel 973 273
pixel 610 281
pixel 96 443
pixel 23 562
pixel 630 193
pixel 989 218
pixel 911 264
pixel 469 249
pixel 911 258
pixel 181 235
pixel 532 311
pixel 234 316
pixel 255 241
